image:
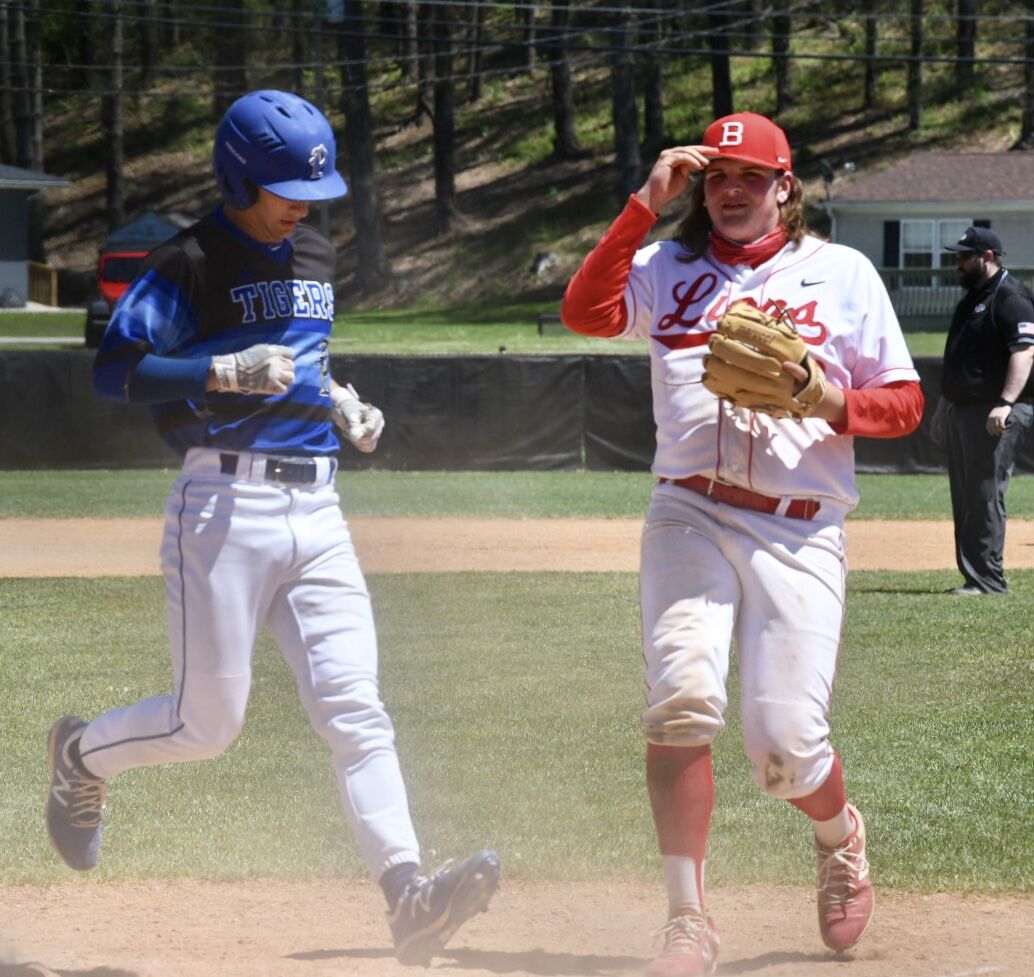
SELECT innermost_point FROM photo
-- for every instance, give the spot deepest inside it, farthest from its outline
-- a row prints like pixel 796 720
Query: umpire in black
pixel 986 404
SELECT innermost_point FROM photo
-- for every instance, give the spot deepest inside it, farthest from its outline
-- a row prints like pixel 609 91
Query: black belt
pixel 284 471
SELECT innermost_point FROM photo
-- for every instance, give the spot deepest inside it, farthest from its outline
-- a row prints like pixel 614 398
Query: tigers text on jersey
pixel 212 290
pixel 838 304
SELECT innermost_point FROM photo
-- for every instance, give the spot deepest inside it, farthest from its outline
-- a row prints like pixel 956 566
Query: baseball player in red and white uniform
pixel 744 538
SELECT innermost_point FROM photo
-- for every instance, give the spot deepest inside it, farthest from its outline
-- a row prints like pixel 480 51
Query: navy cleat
pixel 75 802
pixel 431 909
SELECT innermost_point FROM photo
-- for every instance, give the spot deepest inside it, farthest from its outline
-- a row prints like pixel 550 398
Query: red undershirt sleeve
pixel 594 302
pixel 594 305
pixel 890 411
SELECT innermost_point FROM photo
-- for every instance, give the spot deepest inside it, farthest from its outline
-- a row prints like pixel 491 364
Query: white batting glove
pixel 361 423
pixel 261 369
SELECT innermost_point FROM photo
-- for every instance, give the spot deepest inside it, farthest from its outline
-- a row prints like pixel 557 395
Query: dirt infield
pixel 129 547
pixel 187 928
pixel 328 929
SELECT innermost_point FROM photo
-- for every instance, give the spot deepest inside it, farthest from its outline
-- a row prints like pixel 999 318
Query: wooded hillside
pixel 486 144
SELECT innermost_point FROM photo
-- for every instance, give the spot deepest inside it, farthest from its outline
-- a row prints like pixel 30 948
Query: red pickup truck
pixel 120 259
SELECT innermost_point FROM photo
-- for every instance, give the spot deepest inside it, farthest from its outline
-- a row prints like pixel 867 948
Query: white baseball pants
pixel 239 552
pixel 712 574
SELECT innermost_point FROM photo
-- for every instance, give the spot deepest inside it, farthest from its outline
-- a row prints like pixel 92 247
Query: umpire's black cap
pixel 977 239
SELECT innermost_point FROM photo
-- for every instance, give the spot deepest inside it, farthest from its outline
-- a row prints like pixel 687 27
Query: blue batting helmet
pixel 278 141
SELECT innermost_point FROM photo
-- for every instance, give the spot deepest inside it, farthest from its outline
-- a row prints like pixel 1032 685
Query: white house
pixel 17 185
pixel 902 217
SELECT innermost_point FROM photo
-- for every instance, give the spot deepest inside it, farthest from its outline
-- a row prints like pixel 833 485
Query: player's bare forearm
pixel 1017 373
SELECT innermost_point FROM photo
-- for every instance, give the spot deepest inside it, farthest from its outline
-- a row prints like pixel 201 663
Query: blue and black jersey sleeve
pixel 139 358
pixel 210 291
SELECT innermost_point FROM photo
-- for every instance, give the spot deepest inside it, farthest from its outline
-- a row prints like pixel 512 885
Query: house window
pixel 917 243
pixel 922 246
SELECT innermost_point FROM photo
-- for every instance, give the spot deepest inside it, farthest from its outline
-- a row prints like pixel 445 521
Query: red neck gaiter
pixel 753 254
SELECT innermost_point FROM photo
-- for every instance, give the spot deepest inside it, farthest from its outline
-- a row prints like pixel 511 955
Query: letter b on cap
pixel 732 134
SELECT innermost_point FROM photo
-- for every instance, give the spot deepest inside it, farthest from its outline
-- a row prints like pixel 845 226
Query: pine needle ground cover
pixel 516 701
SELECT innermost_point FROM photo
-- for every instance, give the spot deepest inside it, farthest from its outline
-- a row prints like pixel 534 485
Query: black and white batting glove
pixel 361 423
pixel 261 369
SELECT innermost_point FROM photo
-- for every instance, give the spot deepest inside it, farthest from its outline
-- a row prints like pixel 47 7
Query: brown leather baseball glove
pixel 745 365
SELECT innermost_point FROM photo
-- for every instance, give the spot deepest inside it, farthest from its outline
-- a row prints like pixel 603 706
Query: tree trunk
pixel 148 24
pixel 318 94
pixel 299 40
pixel 477 31
pixel 86 20
pixel 750 21
pixel 8 135
pixel 112 119
pixel 36 202
pixel 444 122
pixel 721 72
pixel 426 16
pixel 966 43
pixel 230 79
pixel 1026 140
pixel 410 51
pixel 20 84
pixel 781 64
pixel 373 265
pixel 871 68
pixel 171 27
pixel 561 92
pixel 34 76
pixel 624 111
pixel 653 82
pixel 915 66
pixel 527 17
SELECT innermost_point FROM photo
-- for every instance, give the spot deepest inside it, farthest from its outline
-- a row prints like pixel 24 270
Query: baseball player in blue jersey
pixel 225 336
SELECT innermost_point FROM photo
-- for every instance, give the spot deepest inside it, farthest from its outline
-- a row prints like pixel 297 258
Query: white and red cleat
pixel 845 894
pixel 690 947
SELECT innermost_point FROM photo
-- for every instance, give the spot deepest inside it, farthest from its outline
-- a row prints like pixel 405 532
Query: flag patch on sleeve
pixel 1025 328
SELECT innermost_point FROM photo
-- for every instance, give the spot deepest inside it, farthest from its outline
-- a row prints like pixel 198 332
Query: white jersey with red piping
pixel 840 306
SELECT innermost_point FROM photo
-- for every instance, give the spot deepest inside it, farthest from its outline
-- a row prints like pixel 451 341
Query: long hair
pixel 694 231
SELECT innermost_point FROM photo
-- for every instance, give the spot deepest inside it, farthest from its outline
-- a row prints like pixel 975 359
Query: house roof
pixel 16 178
pixel 945 178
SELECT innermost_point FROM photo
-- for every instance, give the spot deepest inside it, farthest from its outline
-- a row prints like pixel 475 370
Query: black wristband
pixel 1002 402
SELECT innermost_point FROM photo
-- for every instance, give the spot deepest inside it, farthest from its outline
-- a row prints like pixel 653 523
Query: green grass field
pixel 413 332
pixel 516 699
pixel 436 331
pixel 579 494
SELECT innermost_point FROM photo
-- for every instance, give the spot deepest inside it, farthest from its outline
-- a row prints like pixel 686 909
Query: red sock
pixel 829 800
pixel 681 785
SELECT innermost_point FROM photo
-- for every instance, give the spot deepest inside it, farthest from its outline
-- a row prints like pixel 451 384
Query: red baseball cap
pixel 749 137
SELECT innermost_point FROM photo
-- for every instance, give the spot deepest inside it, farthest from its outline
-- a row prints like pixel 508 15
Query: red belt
pixel 742 498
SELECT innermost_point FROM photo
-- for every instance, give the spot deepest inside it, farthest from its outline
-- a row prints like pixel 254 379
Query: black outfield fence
pixel 501 413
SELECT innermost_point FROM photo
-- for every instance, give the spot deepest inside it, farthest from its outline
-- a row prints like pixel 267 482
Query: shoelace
pixel 682 934
pixel 838 874
pixel 88 797
pixel 421 887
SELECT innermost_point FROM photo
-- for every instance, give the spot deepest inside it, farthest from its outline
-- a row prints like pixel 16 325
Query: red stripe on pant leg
pixel 681 785
pixel 829 800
